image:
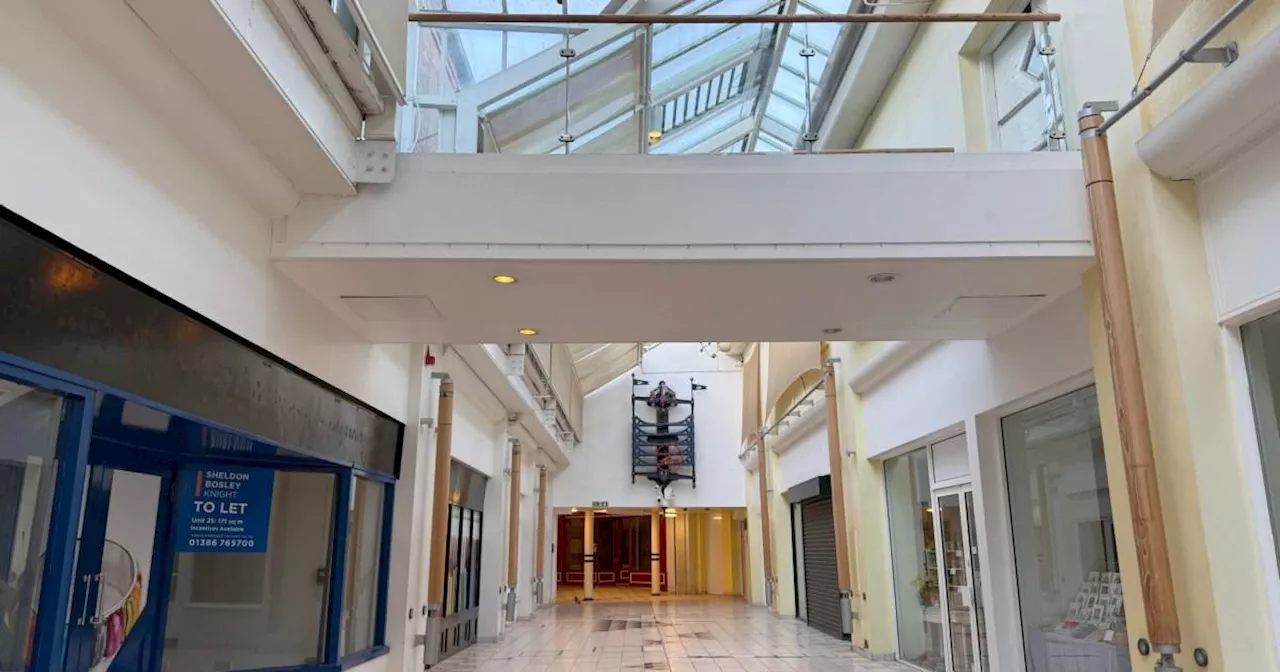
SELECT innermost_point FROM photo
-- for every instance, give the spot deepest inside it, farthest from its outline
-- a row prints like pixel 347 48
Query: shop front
pixel 937 576
pixel 172 498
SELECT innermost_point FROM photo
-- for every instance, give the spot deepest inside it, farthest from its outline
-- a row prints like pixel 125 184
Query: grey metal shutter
pixel 821 589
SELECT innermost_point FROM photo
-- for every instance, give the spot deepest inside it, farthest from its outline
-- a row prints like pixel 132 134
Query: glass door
pixel 43 430
pixel 125 518
pixel 957 551
pixel 975 571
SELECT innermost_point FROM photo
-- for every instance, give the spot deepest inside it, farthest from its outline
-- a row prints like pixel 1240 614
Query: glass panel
pixel 979 613
pixel 1262 355
pixel 789 84
pixel 483 55
pixel 915 561
pixel 955 572
pixel 831 6
pixel 464 562
pixel 364 560
pixel 255 610
pixel 725 47
pixel 792 59
pixel 476 534
pixel 451 563
pixel 521 45
pixel 821 35
pixel 786 112
pixel 488 6
pixel 1069 589
pixel 28 445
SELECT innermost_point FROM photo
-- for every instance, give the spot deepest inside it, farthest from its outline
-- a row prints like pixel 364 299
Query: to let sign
pixel 224 509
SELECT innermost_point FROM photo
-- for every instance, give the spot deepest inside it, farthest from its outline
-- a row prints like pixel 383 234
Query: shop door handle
pixel 84 609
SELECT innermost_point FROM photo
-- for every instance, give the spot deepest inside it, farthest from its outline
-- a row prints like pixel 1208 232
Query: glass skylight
pixel 704 85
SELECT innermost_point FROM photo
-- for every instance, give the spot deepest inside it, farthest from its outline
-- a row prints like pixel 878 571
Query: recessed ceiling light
pixel 505 279
pixel 880 278
pixel 831 331
pixel 528 332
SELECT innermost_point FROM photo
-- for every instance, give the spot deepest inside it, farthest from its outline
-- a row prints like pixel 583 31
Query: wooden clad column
pixel 1154 569
pixel 539 560
pixel 439 522
pixel 655 552
pixel 835 456
pixel 588 555
pixel 513 532
pixel 766 527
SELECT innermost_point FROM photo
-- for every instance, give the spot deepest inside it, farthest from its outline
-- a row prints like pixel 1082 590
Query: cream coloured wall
pixel 1221 588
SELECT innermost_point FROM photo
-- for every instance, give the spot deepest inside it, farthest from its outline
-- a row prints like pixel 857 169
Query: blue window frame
pixel 48 645
pixel 76 429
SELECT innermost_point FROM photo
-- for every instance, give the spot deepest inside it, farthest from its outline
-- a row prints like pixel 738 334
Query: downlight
pixel 506 279
pixel 882 278
pixel 527 332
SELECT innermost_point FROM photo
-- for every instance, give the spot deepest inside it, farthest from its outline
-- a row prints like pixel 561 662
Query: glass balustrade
pixel 482 81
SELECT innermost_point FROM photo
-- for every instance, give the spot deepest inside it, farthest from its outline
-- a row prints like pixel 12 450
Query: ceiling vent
pixel 990 307
pixel 391 308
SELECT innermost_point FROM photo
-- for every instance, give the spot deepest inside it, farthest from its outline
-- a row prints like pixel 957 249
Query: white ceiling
pixel 456 301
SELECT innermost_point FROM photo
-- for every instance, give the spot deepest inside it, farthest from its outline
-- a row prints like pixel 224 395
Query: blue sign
pixel 224 509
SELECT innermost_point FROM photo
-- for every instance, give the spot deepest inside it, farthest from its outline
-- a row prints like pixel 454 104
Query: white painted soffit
pixel 1237 108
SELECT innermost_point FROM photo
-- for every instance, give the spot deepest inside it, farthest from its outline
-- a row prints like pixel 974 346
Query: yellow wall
pixel 1261 18
pixel 1220 587
pixel 875 627
pixel 936 99
pixel 924 103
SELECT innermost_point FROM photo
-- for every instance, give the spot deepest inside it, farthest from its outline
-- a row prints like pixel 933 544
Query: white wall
pixel 954 381
pixel 600 468
pixel 806 458
pixel 86 160
pixel 968 386
pixel 1238 206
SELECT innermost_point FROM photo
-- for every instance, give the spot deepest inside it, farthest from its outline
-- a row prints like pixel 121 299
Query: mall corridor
pixel 639 336
pixel 688 635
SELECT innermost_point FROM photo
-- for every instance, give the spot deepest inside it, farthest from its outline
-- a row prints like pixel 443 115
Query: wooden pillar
pixel 588 555
pixel 655 552
pixel 835 456
pixel 513 532
pixel 766 527
pixel 439 521
pixel 1154 569
pixel 539 560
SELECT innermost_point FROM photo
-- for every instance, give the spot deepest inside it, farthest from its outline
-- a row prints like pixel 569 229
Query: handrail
pixel 649 19
pixel 1184 57
pixel 763 433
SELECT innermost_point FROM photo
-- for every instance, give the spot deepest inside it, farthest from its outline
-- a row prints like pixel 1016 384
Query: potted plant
pixel 926 586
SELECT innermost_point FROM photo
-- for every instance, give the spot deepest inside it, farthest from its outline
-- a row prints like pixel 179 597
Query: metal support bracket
pixel 1225 55
pixel 377 161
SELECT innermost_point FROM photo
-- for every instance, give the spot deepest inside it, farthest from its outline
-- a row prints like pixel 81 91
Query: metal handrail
pixel 650 19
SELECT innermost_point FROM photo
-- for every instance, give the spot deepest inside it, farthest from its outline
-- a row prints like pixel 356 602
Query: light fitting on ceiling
pixel 654 137
pixel 527 332
pixel 832 331
pixel 881 278
pixel 505 279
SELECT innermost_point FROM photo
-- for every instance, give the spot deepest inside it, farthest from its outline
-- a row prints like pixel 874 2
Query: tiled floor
pixel 667 636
